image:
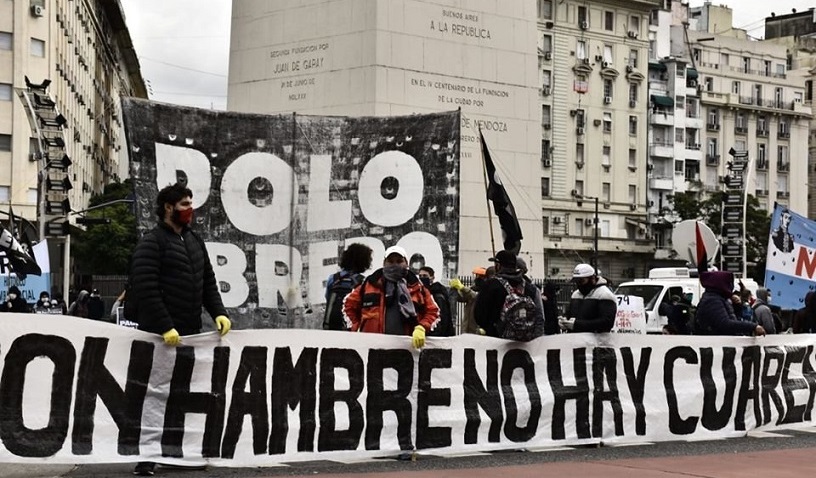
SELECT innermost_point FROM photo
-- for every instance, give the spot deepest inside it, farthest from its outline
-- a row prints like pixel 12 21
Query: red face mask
pixel 183 217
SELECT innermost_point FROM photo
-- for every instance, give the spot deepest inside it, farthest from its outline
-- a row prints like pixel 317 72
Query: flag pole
pixel 487 198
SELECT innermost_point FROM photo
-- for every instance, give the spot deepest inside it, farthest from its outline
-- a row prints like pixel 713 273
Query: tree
pixel 689 205
pixel 106 248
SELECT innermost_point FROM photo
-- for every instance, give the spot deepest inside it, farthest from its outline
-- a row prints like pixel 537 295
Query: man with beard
pixel 173 278
pixel 516 319
pixel 468 296
pixel 392 301
pixel 592 307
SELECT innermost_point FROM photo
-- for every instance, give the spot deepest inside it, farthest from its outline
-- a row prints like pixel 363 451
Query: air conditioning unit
pixel 607 100
pixel 584 25
pixel 573 113
pixel 574 192
pixel 545 90
pixel 632 34
pixel 633 207
pixel 632 103
pixel 629 68
pixel 596 122
pixel 547 125
pixel 557 220
pixel 548 25
pixel 37 10
pixel 579 131
pixel 692 84
pixel 579 164
pixel 546 163
pixel 548 55
pixel 588 221
pixel 606 64
pixel 598 58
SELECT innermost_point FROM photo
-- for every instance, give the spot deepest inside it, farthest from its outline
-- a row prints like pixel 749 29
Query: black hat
pixel 505 258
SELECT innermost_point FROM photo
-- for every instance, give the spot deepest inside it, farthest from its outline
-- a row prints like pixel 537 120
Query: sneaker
pixel 144 468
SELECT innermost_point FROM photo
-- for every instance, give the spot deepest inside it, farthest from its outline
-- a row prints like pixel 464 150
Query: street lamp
pixel 579 198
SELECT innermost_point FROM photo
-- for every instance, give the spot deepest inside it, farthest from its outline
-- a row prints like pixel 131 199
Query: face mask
pixel 12 296
pixel 426 281
pixel 477 283
pixel 585 289
pixel 394 272
pixel 183 217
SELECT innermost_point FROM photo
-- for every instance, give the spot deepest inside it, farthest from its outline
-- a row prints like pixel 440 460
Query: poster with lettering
pixel 278 198
pixel 631 315
pixel 791 261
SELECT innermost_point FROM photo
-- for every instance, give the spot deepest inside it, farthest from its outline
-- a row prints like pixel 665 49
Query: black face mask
pixel 478 283
pixel 426 281
pixel 585 289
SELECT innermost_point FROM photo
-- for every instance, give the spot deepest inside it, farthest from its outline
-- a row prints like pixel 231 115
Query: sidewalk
pixel 17 470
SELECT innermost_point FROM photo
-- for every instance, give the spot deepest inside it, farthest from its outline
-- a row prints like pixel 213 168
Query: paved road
pixel 780 454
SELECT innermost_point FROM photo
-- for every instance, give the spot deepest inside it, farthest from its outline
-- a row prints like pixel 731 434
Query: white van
pixel 661 285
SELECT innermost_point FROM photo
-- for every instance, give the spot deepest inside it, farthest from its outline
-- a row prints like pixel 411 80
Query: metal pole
pixel 595 243
pixel 748 163
pixel 41 213
pixel 66 267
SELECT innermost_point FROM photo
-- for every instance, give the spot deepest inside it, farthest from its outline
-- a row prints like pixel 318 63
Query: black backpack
pixel 340 287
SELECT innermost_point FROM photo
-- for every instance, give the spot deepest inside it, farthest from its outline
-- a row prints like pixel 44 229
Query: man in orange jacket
pixel 392 301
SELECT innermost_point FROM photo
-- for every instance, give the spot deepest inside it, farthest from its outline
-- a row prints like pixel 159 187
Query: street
pixel 775 454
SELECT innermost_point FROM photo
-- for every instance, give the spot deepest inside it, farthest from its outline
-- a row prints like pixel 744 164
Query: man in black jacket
pixel 715 315
pixel 173 278
pixel 441 295
pixel 592 306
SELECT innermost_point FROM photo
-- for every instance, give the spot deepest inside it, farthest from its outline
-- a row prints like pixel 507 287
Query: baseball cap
pixel 479 271
pixel 396 250
pixel 583 270
pixel 505 258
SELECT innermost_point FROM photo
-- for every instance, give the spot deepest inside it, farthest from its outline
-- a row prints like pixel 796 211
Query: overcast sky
pixel 183 45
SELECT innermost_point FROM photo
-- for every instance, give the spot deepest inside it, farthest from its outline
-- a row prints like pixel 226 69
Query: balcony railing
pixel 782 166
pixel 746 100
pixel 741 129
pixel 713 126
pixel 783 134
pixel 712 159
pixel 694 146
pixel 762 165
pixel 762 133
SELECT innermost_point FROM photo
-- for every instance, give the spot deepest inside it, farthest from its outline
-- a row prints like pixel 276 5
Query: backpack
pixel 518 314
pixel 340 287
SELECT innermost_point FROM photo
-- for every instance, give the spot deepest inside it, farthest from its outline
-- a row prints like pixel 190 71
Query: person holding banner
pixel 593 306
pixel 173 278
pixel 715 313
pixel 392 301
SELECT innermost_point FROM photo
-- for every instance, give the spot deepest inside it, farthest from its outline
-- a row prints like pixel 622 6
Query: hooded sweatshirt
pixel 715 315
pixel 18 304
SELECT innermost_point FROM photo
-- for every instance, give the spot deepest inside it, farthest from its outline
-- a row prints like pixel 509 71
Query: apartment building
pixel 593 62
pixel 83 47
pixel 795 31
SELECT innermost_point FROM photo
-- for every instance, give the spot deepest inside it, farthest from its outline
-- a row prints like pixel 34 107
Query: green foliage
pixel 689 205
pixel 106 248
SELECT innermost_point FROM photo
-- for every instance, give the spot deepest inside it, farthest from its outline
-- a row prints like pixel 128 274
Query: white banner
pixel 81 391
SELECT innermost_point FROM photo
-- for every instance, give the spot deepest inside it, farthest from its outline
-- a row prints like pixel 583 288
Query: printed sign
pixel 790 272
pixel 278 198
pixel 631 315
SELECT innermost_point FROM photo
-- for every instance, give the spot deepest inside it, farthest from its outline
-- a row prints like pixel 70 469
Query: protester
pixel 355 260
pixel 15 301
pixel 804 319
pixel 57 301
pixel 538 299
pixel 172 278
pixel 593 306
pixel 441 296
pixel 119 303
pixel 392 301
pixel 96 306
pixel 762 311
pixel 468 295
pixel 551 312
pixel 46 306
pixel 505 307
pixel 79 307
pixel 715 313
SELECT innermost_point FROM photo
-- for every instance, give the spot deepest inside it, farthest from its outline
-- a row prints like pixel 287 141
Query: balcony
pixel 712 160
pixel 661 183
pixel 713 126
pixel 747 100
pixel 662 149
pixel 761 193
pixel 693 151
pixel 662 118
pixel 783 194
pixel 740 130
pixel 762 133
pixel 762 165
pixel 783 166
pixel 783 134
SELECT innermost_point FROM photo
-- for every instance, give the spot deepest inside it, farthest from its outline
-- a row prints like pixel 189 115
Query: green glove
pixel 418 337
pixel 482 331
pixel 456 284
pixel 171 337
pixel 223 324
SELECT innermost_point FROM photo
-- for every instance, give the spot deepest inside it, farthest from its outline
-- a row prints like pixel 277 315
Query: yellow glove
pixel 418 337
pixel 223 324
pixel 482 331
pixel 171 337
pixel 456 284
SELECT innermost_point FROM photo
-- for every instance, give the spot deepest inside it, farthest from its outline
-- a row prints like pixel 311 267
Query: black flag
pixel 511 230
pixel 16 258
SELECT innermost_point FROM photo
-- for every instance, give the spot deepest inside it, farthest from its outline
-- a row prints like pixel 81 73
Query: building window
pixel 783 126
pixel 545 9
pixel 634 25
pixel 713 151
pixel 545 187
pixel 633 58
pixel 632 158
pixel 741 121
pixel 780 70
pixel 679 102
pixel 632 194
pixel 607 55
pixel 679 135
pixel 778 97
pixel 761 152
pixel 583 18
pixel 5 142
pixel 5 92
pixel 580 50
pixel 762 124
pixel 633 92
pixel 545 79
pixel 5 41
pixel 545 151
pixel 652 50
pixel 735 87
pixel 606 189
pixel 545 225
pixel 545 116
pixel 580 118
pixel 709 84
pixel 32 196
pixel 607 122
pixel 724 61
pixel 545 46
pixel 633 126
pixel 746 64
pixel 609 21
pixel 758 94
pixel 607 88
pixel 37 48
pixel 579 153
pixel 579 187
pixel 713 116
pixel 697 52
pixel 606 153
pixel 809 90
pixel 782 154
pixel 766 70
pixel 4 193
pixel 579 227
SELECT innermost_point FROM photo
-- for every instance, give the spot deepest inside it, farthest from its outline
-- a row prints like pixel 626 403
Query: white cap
pixel 396 250
pixel 583 270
